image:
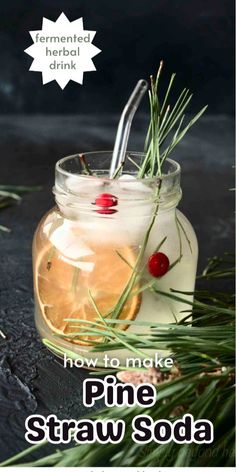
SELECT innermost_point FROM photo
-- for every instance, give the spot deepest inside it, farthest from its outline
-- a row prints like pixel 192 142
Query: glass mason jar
pixel 91 252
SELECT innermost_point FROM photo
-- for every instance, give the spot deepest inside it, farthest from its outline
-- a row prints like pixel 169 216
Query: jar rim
pixel 66 173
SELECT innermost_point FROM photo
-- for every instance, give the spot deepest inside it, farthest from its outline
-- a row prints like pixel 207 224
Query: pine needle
pixel 11 194
pixel 204 355
pixel 166 121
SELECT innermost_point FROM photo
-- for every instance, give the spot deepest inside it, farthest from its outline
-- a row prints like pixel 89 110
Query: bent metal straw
pixel 123 130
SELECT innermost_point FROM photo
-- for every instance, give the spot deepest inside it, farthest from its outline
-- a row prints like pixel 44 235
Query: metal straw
pixel 123 130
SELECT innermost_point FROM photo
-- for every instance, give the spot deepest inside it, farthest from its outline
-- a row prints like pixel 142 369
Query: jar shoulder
pixel 186 223
pixel 48 221
pixel 49 216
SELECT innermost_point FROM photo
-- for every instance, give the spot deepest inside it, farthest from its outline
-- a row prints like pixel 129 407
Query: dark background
pixel 193 37
pixel 40 124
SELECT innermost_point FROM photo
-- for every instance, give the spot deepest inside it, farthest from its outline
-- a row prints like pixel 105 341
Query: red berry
pixel 106 211
pixel 106 200
pixel 158 264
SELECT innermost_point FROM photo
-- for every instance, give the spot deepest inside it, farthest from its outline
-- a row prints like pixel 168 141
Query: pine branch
pixel 10 194
pixel 203 386
pixel 164 122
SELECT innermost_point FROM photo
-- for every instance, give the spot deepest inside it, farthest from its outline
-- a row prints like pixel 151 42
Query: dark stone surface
pixel 30 378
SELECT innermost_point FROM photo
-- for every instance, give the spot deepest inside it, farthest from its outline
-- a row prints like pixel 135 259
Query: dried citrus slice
pixel 62 287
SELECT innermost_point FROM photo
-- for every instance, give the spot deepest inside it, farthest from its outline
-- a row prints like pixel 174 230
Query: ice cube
pixel 69 242
pixel 80 185
pixel 131 183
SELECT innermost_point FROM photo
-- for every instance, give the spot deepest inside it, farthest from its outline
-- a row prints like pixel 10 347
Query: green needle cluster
pixel 166 124
pixel 203 349
pixel 10 194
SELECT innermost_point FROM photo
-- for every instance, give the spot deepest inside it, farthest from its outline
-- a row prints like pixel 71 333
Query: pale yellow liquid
pixel 151 307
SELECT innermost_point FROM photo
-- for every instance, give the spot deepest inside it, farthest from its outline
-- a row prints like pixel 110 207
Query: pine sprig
pixel 203 349
pixel 10 194
pixel 166 123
